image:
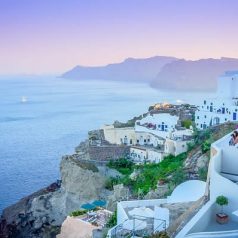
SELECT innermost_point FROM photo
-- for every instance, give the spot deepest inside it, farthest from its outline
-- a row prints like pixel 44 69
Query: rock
pixel 195 162
pixel 119 193
pixel 160 192
pixel 202 161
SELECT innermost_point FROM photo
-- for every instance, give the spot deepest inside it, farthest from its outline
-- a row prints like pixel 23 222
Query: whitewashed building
pixel 159 124
pixel 138 154
pixel 224 107
pixel 141 154
pixel 163 125
pixel 128 136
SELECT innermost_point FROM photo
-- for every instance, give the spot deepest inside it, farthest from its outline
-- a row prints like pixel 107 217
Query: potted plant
pixel 221 217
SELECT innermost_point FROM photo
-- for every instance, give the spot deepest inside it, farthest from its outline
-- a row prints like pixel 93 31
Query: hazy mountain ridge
pixel 161 72
pixel 196 75
pixel 131 69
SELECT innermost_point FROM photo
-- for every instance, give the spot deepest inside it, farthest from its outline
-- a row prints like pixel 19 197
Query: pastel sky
pixel 51 36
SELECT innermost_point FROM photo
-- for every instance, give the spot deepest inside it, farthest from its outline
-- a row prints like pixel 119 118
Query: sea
pixel 43 118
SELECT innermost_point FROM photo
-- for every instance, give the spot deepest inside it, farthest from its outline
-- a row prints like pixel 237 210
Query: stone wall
pixel 103 153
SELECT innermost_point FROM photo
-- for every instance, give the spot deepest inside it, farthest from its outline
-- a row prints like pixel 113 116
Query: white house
pixel 224 107
pixel 175 147
pixel 138 154
pixel 128 136
pixel 162 124
pixel 119 136
pixel 141 154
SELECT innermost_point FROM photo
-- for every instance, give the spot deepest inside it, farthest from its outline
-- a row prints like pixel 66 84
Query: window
pixel 197 117
pixel 205 116
pixel 205 102
pixel 137 141
pixel 145 140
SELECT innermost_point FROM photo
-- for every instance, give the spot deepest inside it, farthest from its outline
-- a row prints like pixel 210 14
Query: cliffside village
pixel 156 135
pixel 164 131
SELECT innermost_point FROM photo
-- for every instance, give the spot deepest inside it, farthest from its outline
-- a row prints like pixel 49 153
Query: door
pixel 234 116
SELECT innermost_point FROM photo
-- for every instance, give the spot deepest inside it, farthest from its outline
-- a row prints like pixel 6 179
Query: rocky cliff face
pixel 40 214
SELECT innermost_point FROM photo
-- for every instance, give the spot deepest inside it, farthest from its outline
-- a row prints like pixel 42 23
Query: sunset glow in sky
pixel 52 36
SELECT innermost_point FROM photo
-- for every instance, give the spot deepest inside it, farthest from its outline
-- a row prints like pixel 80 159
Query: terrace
pixel 223 177
pixel 97 218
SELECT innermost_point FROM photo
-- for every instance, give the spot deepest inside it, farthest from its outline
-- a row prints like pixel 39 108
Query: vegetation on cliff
pixel 172 170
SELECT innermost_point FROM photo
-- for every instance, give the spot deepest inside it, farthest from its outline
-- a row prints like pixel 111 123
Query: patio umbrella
pixel 142 212
pixel 88 206
pixel 99 203
pixel 134 224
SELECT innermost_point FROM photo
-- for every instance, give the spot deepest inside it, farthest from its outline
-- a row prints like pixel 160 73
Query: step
pixel 233 177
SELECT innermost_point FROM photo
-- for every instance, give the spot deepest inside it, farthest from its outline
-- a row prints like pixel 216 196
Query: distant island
pixel 160 72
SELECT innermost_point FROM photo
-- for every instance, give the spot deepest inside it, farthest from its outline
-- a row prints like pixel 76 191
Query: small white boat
pixel 23 99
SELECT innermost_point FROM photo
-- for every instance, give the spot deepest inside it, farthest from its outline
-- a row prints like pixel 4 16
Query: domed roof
pixel 188 191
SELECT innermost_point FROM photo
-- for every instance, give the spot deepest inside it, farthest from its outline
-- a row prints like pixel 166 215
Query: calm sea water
pixel 56 116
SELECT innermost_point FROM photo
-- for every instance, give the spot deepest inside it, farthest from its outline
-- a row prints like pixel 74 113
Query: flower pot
pixel 222 218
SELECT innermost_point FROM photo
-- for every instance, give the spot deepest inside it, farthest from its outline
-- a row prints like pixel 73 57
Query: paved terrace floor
pixel 214 226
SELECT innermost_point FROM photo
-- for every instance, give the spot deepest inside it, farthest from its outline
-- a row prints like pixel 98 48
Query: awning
pixel 99 203
pixel 88 206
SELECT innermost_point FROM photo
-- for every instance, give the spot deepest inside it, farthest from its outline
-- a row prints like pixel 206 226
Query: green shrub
pixel 123 165
pixel 178 177
pixel 112 221
pixel 78 213
pixel 206 145
pixel 222 201
pixel 202 173
pixel 186 123
pixel 161 234
pixel 110 182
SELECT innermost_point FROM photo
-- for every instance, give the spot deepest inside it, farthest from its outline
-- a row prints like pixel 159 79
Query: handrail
pixel 114 230
pixel 213 234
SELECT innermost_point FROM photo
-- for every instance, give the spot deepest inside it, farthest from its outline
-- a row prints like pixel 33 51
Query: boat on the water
pixel 23 99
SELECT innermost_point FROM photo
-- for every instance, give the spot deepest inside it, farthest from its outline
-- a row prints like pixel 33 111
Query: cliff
pixel 42 213
pixel 196 75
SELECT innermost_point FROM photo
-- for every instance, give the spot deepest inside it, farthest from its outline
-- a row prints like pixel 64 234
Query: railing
pixel 118 231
